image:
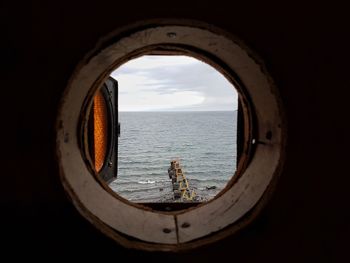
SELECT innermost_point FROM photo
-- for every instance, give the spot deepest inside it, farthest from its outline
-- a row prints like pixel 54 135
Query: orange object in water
pixel 100 130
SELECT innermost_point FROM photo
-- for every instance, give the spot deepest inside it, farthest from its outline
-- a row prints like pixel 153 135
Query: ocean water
pixel 204 142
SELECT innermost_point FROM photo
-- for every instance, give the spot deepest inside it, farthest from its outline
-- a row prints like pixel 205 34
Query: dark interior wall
pixel 305 48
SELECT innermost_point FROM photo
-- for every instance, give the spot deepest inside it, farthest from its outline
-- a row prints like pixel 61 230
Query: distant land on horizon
pixel 181 111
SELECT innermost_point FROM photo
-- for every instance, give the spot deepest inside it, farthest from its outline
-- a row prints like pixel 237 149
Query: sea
pixel 204 142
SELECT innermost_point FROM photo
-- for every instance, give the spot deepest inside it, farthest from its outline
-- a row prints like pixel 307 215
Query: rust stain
pixel 66 137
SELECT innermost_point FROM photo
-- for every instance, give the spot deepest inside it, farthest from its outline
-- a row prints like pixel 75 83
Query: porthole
pixel 134 225
pixel 171 109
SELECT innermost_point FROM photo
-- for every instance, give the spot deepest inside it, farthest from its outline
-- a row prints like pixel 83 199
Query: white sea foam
pixel 146 182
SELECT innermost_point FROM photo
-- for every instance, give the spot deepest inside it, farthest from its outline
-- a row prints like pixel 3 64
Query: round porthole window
pixel 88 130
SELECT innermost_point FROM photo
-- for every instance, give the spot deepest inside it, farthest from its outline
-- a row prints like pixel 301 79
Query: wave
pixel 213 180
pixel 146 182
pixel 151 188
pixel 159 179
pixel 139 181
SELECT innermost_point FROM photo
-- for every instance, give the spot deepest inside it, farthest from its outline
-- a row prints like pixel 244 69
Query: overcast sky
pixel 173 83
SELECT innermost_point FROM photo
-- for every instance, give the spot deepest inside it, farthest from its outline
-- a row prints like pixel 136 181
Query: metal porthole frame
pixel 241 201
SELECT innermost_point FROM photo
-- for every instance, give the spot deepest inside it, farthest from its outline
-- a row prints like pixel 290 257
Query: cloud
pixel 151 62
pixel 152 101
pixel 173 83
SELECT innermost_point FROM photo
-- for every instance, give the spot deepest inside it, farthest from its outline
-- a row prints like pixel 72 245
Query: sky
pixel 173 83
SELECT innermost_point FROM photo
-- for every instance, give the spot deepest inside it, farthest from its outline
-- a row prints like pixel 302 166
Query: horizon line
pixel 177 110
